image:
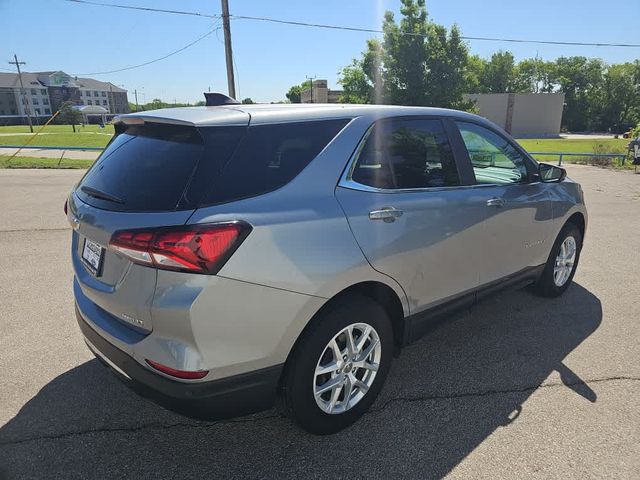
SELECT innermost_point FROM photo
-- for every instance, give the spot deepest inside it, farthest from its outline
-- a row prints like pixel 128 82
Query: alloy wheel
pixel 564 261
pixel 347 368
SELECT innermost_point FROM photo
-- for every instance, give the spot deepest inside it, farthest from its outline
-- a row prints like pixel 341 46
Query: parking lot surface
pixel 517 387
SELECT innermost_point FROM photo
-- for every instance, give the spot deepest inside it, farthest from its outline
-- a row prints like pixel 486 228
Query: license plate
pixel 92 256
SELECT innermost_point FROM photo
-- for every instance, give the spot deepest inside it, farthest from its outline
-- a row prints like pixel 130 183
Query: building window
pixel 47 111
pixel 104 94
pixel 43 91
pixel 45 101
pixel 95 93
pixel 37 112
pixel 89 102
pixel 33 91
pixel 104 102
pixel 34 101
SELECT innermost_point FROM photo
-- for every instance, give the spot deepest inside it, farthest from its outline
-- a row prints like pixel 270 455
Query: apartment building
pixel 45 92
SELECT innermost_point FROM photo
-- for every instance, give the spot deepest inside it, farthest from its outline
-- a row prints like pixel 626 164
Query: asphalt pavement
pixel 517 387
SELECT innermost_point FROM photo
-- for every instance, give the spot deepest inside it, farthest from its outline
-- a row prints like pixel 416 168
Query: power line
pixel 355 29
pixel 146 9
pixel 487 39
pixel 175 52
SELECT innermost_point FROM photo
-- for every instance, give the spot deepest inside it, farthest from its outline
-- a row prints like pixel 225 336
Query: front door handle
pixel 495 202
pixel 387 214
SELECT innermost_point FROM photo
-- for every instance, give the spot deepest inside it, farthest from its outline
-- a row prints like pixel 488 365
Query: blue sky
pixel 57 35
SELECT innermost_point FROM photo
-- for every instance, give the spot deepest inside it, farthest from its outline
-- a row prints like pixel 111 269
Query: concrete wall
pixel 533 114
pixel 537 114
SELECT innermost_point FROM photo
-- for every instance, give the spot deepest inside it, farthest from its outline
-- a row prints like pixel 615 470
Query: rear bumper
pixel 223 398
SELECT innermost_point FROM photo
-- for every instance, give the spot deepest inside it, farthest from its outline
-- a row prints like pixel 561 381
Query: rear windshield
pixel 150 167
pixel 270 156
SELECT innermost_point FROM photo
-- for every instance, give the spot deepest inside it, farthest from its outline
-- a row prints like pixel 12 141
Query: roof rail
pixel 215 99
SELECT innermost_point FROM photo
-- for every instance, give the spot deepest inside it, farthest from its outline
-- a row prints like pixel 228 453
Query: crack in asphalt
pixel 421 398
pixel 384 406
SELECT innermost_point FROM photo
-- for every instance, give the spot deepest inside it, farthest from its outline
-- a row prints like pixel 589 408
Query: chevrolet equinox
pixel 231 257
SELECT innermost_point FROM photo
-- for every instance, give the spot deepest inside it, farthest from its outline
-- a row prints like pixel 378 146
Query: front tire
pixel 562 263
pixel 339 365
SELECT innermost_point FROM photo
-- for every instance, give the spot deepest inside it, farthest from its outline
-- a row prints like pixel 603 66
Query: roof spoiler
pixel 216 99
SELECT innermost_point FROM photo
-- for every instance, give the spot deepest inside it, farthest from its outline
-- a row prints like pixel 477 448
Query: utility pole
pixel 311 79
pixel 25 99
pixel 112 104
pixel 231 81
pixel 135 93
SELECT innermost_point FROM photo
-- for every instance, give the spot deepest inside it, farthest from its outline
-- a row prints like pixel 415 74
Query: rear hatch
pixel 152 174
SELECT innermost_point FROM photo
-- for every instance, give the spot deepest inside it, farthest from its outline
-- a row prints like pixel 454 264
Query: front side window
pixel 495 160
pixel 406 153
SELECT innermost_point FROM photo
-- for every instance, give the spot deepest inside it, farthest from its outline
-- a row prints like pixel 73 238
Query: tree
pixel 69 115
pixel 536 76
pixel 293 95
pixel 618 97
pixel 405 55
pixel 499 74
pixel 355 84
pixel 248 101
pixel 473 73
pixel 579 78
pixel 447 59
pixel 417 63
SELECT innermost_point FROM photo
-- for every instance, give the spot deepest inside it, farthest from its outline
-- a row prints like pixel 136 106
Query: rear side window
pixel 406 153
pixel 270 156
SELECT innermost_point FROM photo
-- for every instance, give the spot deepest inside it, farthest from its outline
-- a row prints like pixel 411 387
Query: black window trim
pixel 346 180
pixel 530 163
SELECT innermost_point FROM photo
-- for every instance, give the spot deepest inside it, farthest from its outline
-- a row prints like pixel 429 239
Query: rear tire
pixel 562 263
pixel 359 372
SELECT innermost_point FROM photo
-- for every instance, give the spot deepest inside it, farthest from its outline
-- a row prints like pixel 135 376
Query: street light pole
pixel 25 99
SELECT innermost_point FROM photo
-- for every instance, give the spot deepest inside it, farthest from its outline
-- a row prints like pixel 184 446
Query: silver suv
pixel 228 257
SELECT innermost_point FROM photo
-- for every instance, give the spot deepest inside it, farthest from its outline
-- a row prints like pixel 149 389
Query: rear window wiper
pixel 92 192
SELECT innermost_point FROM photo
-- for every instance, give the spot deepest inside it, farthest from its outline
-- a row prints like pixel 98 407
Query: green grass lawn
pixel 566 145
pixel 59 136
pixel 39 162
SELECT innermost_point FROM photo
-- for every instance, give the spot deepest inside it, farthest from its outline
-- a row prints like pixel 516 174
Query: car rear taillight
pixel 189 248
pixel 186 374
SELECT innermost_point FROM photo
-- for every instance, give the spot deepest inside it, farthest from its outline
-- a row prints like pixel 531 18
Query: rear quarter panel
pixel 301 239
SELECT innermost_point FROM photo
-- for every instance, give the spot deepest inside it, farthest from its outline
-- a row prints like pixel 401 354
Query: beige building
pixel 522 114
pixel 45 92
pixel 321 93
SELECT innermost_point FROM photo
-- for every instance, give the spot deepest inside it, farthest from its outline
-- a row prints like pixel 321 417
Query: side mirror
pixel 551 173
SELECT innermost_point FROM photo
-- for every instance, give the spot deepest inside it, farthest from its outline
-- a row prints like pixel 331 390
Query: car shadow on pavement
pixel 444 396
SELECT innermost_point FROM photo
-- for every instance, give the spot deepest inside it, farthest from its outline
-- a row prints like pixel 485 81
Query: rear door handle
pixel 495 202
pixel 386 214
